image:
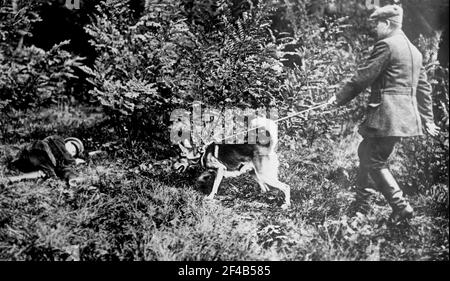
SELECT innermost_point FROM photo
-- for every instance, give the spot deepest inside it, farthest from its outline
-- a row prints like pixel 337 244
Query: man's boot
pixel 393 194
pixel 363 195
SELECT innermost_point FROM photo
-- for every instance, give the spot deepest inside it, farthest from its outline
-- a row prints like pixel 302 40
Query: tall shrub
pixel 29 76
pixel 329 48
pixel 166 61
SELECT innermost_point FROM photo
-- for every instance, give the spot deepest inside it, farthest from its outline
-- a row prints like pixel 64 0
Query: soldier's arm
pixel 424 100
pixel 367 74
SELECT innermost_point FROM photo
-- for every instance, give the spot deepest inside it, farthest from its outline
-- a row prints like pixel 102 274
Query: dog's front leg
pixel 217 181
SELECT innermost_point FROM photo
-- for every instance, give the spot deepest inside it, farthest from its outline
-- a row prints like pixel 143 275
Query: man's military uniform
pixel 49 155
pixel 399 103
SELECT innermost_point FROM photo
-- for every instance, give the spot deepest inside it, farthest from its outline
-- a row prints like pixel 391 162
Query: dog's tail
pixel 269 126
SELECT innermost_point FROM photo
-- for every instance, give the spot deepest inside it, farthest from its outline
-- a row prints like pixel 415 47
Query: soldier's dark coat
pixel 400 98
pixel 49 155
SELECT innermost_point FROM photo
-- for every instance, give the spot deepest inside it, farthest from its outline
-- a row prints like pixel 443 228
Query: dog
pixel 232 160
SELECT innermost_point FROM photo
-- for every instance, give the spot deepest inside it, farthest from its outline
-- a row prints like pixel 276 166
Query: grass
pixel 121 213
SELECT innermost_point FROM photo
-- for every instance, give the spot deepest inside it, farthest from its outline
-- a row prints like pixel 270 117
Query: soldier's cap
pixel 393 13
pixel 74 146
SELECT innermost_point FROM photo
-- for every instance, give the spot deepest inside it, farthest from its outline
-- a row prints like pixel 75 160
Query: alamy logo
pixel 73 4
pixel 226 125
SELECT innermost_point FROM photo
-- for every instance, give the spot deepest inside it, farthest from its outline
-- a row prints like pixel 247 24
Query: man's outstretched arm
pixel 366 75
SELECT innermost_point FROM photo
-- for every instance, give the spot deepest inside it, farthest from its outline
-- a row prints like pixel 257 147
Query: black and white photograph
pixel 250 131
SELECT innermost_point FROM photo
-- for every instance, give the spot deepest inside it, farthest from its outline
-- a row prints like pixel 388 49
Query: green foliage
pixel 238 64
pixel 222 53
pixel 29 76
pixel 32 77
pixel 330 49
pixel 137 64
pixel 164 62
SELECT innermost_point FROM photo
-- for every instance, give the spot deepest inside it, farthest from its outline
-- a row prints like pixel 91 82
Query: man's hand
pixel 432 129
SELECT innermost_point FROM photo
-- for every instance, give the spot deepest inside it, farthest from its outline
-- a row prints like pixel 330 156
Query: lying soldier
pixel 53 156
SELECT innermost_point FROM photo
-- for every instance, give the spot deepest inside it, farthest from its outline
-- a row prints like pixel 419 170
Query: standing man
pixel 399 106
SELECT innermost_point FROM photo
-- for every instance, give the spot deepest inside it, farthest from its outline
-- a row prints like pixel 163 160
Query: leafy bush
pixel 136 64
pixel 29 76
pixel 222 53
pixel 238 62
pixel 165 62
pixel 330 47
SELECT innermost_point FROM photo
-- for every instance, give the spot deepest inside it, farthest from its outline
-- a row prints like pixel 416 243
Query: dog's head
pixel 189 155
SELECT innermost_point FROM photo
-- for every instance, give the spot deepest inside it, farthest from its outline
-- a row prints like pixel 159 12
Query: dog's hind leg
pixel 264 188
pixel 217 181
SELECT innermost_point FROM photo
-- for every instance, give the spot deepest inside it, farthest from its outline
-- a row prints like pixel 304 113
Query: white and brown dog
pixel 232 160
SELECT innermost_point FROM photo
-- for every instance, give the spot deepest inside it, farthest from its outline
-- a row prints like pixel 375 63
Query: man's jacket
pixel 49 155
pixel 400 98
